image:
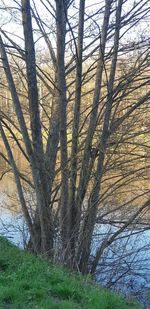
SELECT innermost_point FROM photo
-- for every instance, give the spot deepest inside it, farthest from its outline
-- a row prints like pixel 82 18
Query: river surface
pixel 125 266
pixel 12 224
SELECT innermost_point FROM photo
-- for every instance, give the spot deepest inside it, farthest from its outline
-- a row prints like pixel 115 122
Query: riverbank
pixel 28 282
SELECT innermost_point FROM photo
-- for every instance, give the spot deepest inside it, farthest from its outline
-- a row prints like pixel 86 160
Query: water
pixel 125 266
pixel 12 224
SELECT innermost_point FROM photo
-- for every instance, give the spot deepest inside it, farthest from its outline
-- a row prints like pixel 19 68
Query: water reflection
pixel 125 266
pixel 14 228
pixel 12 224
pixel 7 187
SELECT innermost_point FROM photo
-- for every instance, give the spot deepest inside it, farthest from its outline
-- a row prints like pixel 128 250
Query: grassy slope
pixel 28 282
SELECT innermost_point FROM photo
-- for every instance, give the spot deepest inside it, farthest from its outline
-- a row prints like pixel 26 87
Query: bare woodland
pixel 75 103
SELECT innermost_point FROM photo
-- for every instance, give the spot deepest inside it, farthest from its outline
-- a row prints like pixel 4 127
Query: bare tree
pixel 94 89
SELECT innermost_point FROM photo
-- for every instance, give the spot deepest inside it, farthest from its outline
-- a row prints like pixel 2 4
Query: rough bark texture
pixel 61 13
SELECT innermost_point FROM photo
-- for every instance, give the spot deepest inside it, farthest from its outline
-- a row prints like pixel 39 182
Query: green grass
pixel 28 282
